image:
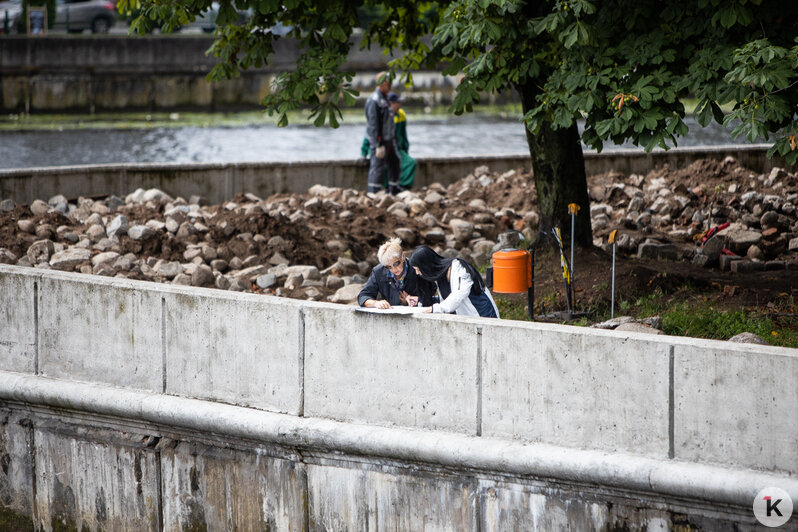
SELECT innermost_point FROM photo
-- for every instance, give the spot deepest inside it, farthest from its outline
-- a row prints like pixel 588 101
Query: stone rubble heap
pixel 758 228
pixel 251 244
pixel 96 236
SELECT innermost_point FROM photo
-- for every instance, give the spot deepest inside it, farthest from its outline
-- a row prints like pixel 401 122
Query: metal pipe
pixel 684 480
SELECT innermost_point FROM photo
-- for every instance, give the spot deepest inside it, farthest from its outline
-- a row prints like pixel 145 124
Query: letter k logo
pixel 772 506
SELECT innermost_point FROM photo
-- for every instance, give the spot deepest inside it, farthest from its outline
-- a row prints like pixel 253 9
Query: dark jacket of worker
pixel 382 284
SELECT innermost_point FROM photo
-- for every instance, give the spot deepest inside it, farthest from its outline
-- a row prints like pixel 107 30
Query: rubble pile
pixel 321 245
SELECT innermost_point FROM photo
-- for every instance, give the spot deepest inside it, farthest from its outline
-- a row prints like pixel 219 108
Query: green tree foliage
pixel 623 66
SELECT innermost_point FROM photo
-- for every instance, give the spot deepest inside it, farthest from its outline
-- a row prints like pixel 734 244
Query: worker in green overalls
pixel 408 165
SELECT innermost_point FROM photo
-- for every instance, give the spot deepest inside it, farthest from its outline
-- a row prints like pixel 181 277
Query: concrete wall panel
pixel 102 483
pixel 17 323
pixel 576 387
pixel 391 369
pixel 240 350
pixel 362 499
pixel 100 331
pixel 736 404
pixel 211 488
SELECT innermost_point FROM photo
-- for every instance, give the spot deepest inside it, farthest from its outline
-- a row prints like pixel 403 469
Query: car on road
pixel 75 16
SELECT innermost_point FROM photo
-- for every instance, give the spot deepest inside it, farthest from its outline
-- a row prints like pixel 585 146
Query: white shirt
pixel 458 302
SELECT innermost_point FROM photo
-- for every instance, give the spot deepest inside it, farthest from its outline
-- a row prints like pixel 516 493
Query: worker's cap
pixel 393 97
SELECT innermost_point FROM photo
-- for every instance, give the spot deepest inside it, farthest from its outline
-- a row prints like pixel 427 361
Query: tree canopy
pixel 624 67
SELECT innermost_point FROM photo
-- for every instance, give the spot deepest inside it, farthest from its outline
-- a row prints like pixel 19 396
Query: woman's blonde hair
pixel 390 250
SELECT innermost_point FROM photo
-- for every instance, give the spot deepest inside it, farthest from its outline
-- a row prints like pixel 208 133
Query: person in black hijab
pixel 460 285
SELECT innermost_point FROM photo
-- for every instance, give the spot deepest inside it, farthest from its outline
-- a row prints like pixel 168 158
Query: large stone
pixel 655 250
pixel 407 235
pixel 67 259
pixel 748 338
pixel 26 226
pixel 118 226
pixel 95 233
pixel 306 271
pixel 169 269
pixel 6 257
pixel 347 294
pixel 434 236
pixel 39 208
pixel 202 276
pixel 108 257
pixel 7 205
pixel 714 246
pixel 433 198
pixel 638 328
pixel 266 281
pixel 741 238
pixel 140 232
pixel 40 251
pixel 463 230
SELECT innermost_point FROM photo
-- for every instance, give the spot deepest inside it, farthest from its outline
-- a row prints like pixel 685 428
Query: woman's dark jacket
pixel 380 283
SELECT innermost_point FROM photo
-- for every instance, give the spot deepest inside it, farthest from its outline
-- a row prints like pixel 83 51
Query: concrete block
pixel 736 404
pixel 103 331
pixel 391 369
pixel 17 319
pixel 239 349
pixel 108 481
pixel 216 488
pixel 727 260
pixel 363 499
pixel 576 387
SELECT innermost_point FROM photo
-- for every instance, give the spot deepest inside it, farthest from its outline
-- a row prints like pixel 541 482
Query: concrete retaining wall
pixel 220 182
pixel 352 419
pixel 88 74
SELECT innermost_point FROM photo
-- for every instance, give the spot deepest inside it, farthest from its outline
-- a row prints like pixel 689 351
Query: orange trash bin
pixel 512 271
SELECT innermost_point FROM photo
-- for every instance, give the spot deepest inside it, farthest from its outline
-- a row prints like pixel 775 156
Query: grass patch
pixel 705 321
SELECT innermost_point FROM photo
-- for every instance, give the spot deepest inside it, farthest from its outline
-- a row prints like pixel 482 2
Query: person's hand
pixel 380 152
pixel 427 310
pixel 403 297
pixel 382 304
pixel 412 301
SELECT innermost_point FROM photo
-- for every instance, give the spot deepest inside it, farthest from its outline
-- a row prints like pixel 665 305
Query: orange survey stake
pixel 512 271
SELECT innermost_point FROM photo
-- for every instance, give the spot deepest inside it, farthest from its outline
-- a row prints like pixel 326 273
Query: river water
pixel 465 135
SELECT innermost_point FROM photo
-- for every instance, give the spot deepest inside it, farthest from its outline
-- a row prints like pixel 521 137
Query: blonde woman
pixel 393 282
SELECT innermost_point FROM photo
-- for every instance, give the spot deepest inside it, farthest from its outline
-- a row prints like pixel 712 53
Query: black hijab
pixel 433 268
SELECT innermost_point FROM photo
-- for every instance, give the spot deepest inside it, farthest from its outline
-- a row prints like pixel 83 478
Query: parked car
pixel 78 15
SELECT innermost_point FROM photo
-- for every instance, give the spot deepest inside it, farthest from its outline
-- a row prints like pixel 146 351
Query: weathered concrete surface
pixel 576 387
pixel 216 488
pixel 16 470
pixel 219 182
pixel 18 327
pixel 362 368
pixel 388 498
pixel 736 404
pixel 221 464
pixel 94 478
pixel 242 351
pixel 89 331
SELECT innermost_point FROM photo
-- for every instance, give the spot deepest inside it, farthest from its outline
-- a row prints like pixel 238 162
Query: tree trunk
pixel 559 170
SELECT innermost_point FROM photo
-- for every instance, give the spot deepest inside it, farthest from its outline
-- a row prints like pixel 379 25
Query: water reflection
pixel 466 135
